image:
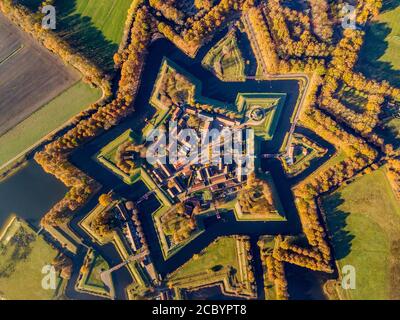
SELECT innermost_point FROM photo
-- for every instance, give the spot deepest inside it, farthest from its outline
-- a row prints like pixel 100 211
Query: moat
pixel 39 191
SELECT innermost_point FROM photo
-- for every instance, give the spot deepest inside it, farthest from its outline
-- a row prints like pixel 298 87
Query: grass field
pixel 220 253
pixel 94 27
pixel 380 57
pixel 363 220
pixel 46 119
pixel 23 255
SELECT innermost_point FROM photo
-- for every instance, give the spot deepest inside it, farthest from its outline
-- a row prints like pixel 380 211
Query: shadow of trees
pixel 388 5
pixel 31 4
pixel 247 53
pixel 337 223
pixel 374 48
pixel 80 32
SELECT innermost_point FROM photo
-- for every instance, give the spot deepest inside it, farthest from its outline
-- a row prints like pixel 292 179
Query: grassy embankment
pixel 90 280
pixel 115 238
pixel 214 266
pixel 225 59
pixel 363 220
pixel 272 105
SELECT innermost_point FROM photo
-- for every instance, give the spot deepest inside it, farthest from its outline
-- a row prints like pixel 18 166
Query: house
pixel 171 193
pixel 132 236
pixel 199 175
pixel 186 171
pixel 226 121
pixel 178 185
pixel 239 172
pixel 221 178
pixel 289 156
pixel 197 187
pixel 158 176
pixel 214 188
pixel 181 122
pixel 206 125
pixel 164 168
pixel 206 117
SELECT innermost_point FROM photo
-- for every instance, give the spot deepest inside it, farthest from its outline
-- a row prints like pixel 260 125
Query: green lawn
pixel 272 105
pixel 108 152
pixel 48 118
pixel 220 253
pixel 91 281
pixel 108 16
pixel 98 265
pixel 23 254
pixel 363 219
pixel 226 60
pixel 380 56
pixel 94 27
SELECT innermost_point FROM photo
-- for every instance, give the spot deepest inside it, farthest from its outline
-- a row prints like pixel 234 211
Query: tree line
pixel 54 157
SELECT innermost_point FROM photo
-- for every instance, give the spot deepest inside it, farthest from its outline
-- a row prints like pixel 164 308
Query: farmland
pixel 362 219
pixel 29 76
pixel 46 119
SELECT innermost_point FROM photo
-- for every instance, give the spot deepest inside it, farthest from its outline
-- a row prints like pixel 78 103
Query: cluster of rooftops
pixel 184 177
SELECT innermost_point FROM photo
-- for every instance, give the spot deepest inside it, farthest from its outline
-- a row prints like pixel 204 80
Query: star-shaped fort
pixel 226 149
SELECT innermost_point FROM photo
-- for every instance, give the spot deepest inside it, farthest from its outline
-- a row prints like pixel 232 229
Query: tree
pixel 105 199
pixel 203 4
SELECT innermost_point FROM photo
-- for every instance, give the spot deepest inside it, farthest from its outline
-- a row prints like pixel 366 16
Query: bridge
pixel 105 276
pixel 145 196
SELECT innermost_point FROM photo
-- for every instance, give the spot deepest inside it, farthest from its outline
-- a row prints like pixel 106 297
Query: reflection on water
pixel 29 193
pixel 304 284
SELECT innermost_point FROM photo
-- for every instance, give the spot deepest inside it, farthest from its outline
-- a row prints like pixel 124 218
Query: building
pixel 164 168
pixel 226 121
pixel 191 110
pixel 197 187
pixel 206 117
pixel 221 178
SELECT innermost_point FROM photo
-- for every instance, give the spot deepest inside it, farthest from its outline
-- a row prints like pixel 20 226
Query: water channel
pixel 31 192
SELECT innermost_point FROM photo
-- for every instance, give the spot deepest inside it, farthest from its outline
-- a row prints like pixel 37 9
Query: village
pixel 217 170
